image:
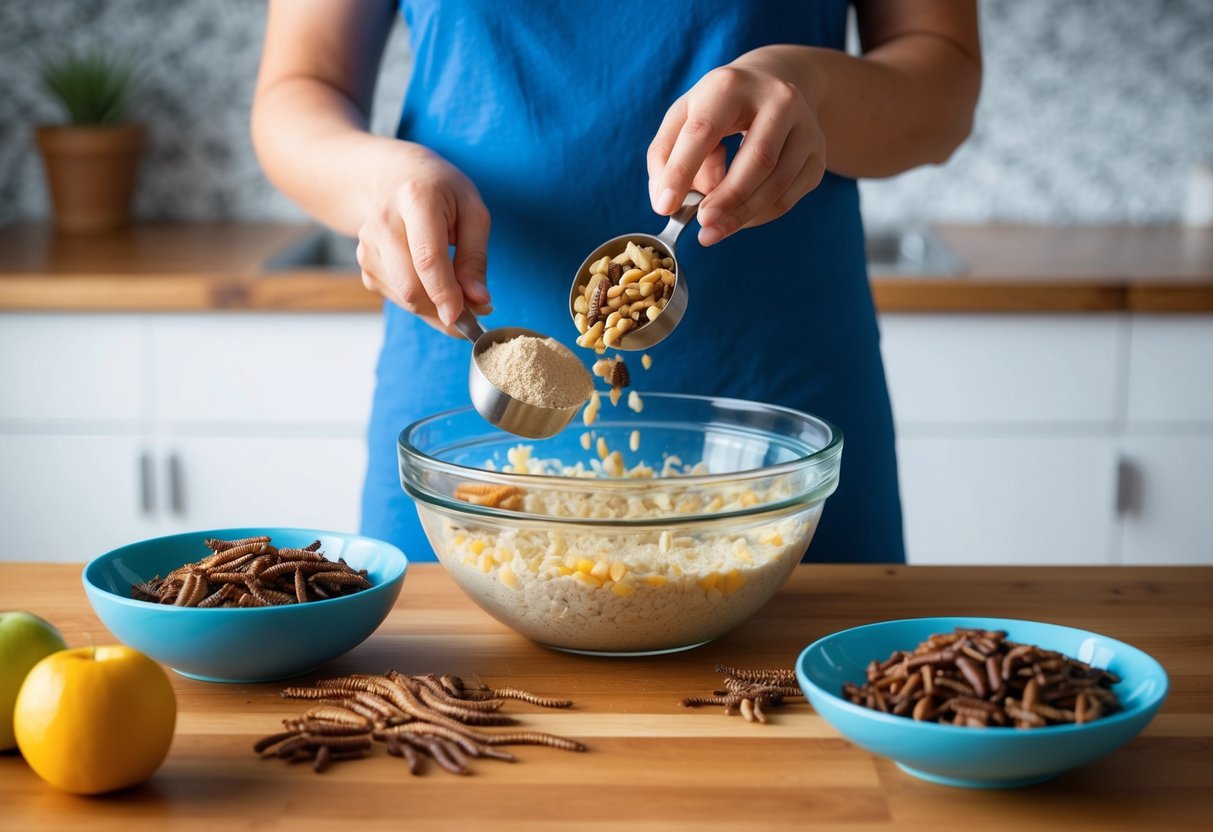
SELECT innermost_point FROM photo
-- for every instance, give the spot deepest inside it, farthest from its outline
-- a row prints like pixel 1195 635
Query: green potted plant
pixel 91 161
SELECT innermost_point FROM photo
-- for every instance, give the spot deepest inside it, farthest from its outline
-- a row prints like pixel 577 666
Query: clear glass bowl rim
pixel 823 457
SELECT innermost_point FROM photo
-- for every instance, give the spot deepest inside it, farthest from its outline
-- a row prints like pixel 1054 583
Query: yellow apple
pixel 25 639
pixel 95 719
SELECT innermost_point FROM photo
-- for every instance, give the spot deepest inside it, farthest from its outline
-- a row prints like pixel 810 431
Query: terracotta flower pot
pixel 91 173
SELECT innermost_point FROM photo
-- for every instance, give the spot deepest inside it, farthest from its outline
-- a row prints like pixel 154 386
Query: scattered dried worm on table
pixel 439 717
pixel 750 692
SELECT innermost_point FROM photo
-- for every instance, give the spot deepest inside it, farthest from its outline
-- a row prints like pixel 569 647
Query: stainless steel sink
pixel 321 250
pixel 892 251
pixel 910 251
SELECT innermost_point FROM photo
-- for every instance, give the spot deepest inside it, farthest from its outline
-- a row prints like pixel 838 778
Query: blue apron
pixel 549 106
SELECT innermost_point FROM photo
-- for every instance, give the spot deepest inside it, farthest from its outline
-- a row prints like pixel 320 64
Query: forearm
pixel 313 145
pixel 908 102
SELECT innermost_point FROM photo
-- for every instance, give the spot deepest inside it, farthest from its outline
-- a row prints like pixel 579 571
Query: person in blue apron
pixel 560 123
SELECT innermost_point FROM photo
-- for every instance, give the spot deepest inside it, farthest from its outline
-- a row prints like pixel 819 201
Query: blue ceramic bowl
pixel 978 757
pixel 256 644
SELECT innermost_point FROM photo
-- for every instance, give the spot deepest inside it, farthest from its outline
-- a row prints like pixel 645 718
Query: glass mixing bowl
pixel 647 532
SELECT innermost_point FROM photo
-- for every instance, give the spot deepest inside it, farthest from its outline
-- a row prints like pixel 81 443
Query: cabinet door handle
pixel 176 485
pixel 147 483
pixel 1128 487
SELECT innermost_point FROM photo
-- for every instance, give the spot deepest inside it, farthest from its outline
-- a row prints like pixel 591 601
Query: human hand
pixel 782 155
pixel 424 206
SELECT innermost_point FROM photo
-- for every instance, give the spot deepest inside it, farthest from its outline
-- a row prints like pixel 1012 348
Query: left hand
pixel 782 154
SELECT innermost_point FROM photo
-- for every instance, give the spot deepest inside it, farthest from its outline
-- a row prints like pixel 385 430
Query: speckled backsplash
pixel 1092 110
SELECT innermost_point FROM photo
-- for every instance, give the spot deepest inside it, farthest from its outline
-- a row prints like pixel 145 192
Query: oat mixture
pixel 629 591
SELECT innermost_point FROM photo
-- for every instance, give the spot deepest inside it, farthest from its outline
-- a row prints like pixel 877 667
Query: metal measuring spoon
pixel 653 332
pixel 498 407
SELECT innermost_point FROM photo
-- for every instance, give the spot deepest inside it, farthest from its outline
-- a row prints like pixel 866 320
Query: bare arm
pixel 312 104
pixel 406 204
pixel 907 101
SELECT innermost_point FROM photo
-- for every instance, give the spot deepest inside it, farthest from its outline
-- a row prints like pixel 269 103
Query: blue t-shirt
pixel 549 106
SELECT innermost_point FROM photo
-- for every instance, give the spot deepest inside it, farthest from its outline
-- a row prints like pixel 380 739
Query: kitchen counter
pixel 653 764
pixel 217 266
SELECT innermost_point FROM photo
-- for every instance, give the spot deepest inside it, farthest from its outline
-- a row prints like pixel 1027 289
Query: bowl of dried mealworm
pixel 246 604
pixel 982 702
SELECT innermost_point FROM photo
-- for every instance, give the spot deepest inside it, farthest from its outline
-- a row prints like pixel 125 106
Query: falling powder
pixel 539 371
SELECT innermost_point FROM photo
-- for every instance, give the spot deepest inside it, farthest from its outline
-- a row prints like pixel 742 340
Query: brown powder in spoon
pixel 539 371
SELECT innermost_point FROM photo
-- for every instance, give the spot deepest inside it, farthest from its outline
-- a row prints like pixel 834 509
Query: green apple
pixel 25 640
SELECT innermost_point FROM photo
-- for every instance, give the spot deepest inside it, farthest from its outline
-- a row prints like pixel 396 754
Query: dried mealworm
pixel 699 701
pixel 270 741
pixel 780 674
pixel 338 742
pixel 973 675
pixel 336 579
pixel 469 716
pixel 216 545
pixel 410 756
pixel 288 748
pixel 331 713
pixel 486 494
pixel 530 738
pixel 193 590
pixel 530 698
pixel 447 755
pixel 234 553
pixel 144 591
pixel 321 727
pixel 322 759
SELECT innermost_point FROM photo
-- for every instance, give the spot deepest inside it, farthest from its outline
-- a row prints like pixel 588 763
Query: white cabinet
pixel 314 481
pixel 70 497
pixel 1008 499
pixel 1062 439
pixel 1168 517
pixel 115 428
pixel 1006 443
pixel 1167 450
pixel 264 369
pixel 86 368
pixel 1005 371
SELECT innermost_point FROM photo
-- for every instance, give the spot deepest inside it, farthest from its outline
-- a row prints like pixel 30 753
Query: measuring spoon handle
pixel 467 324
pixel 679 219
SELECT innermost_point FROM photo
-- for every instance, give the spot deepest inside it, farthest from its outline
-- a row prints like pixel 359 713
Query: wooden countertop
pixel 167 268
pixel 652 764
pixel 1056 269
pixel 217 266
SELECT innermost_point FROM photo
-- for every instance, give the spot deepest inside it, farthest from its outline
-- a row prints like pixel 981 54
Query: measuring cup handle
pixel 679 219
pixel 468 326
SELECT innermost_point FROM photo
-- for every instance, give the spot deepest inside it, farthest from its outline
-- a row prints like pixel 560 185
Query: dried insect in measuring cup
pixel 625 296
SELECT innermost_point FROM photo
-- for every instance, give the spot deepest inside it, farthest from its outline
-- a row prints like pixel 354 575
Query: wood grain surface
pixel 653 764
pixel 174 267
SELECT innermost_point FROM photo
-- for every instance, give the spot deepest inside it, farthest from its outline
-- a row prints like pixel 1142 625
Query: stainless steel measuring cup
pixel 653 332
pixel 494 404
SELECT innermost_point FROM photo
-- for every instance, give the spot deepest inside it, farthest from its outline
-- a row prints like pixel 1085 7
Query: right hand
pixel 424 206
